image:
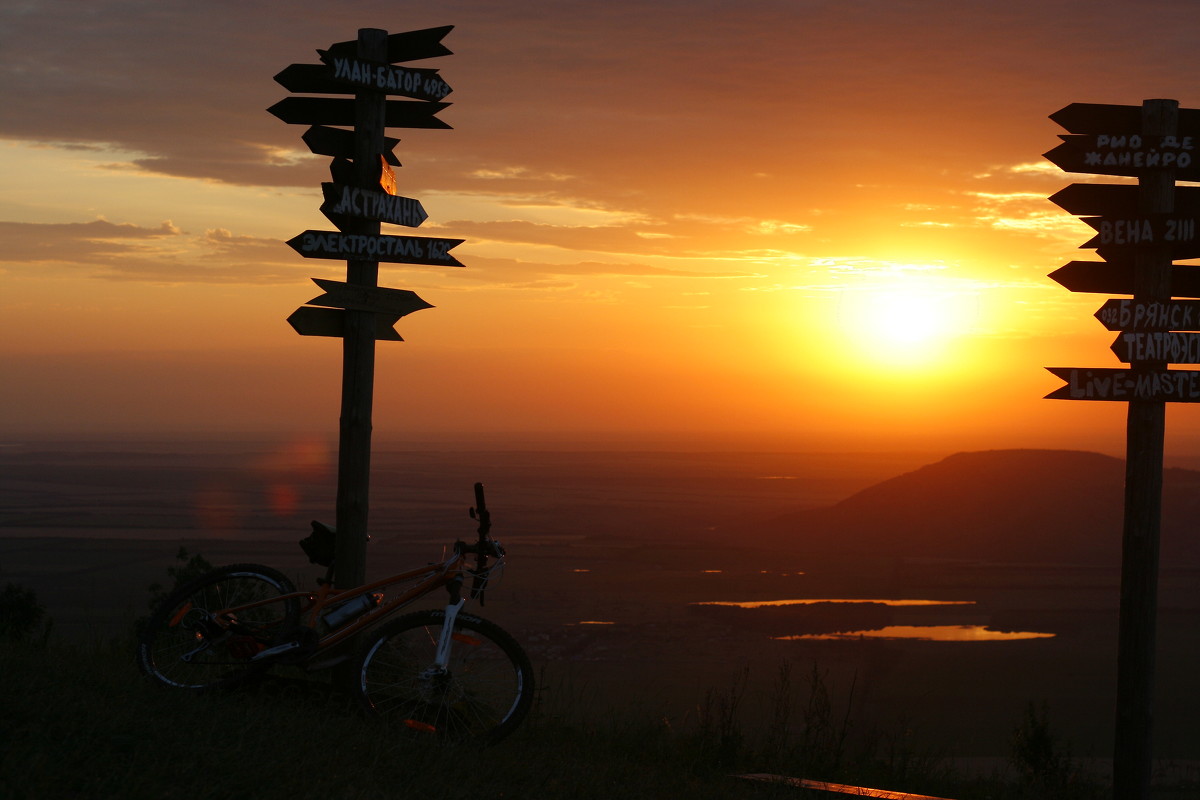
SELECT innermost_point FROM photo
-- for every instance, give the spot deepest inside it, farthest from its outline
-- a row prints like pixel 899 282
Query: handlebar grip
pixel 481 512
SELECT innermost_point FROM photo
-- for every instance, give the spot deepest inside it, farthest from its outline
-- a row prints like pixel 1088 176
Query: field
pixel 610 553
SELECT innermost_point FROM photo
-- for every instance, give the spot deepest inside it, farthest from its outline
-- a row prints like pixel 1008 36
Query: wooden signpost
pixel 1134 315
pixel 1117 277
pixel 1127 154
pixel 360 198
pixel 339 143
pixel 1157 385
pixel 342 201
pixel 338 111
pixel 1117 199
pixel 1113 234
pixel 1140 230
pixel 1170 346
pixel 379 247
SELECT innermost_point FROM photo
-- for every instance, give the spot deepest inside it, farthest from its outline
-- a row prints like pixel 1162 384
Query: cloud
pixel 570 89
pixel 1027 212
pixel 98 241
pixel 163 254
pixel 579 277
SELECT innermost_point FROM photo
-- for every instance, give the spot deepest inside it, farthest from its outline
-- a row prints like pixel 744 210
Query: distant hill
pixel 1057 506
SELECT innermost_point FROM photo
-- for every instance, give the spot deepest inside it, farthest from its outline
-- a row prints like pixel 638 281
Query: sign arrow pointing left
pixel 332 322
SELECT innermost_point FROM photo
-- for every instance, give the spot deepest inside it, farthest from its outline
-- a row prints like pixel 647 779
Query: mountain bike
pixel 441 672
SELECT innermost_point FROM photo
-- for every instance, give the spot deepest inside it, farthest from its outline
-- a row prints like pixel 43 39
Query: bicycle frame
pixel 448 573
pixel 304 641
pixel 432 671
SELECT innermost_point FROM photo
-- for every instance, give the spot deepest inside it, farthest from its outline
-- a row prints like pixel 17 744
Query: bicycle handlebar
pixel 480 512
pixel 484 546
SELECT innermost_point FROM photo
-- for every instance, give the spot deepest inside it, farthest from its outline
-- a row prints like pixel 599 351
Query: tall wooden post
pixel 361 196
pixel 1145 433
pixel 358 343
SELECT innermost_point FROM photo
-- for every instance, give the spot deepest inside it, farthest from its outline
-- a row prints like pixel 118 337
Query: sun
pixel 903 326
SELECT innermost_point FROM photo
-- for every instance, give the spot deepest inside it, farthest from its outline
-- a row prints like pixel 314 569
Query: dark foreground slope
pixel 1053 506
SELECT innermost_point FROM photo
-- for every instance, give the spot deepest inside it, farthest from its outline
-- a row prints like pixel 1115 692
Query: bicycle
pixel 439 672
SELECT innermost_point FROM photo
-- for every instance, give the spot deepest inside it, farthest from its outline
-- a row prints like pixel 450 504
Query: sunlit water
pixel 934 633
pixel 814 600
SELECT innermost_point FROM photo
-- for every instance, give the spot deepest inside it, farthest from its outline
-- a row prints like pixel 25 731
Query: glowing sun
pixel 903 326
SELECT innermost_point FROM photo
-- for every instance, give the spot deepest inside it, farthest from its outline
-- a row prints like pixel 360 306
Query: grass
pixel 78 721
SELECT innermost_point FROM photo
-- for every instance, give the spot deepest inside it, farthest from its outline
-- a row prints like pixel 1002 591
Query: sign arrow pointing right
pixel 404 46
pixel 392 302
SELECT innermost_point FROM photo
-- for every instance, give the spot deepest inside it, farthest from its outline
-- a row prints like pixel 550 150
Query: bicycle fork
pixel 441 658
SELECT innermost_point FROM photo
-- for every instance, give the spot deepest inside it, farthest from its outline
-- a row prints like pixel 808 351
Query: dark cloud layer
pixel 619 94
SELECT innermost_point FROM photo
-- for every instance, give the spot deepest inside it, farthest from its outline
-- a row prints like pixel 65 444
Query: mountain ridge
pixel 1018 505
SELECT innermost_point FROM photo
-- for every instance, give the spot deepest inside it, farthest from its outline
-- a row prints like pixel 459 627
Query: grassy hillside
pixel 80 722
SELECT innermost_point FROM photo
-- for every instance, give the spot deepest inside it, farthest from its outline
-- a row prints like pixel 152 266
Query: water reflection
pixel 814 600
pixel 933 633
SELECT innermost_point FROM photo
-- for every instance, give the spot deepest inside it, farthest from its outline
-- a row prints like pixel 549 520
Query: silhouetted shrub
pixel 21 614
pixel 1044 763
pixel 192 567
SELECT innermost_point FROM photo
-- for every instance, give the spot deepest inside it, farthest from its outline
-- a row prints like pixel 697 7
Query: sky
pixel 794 224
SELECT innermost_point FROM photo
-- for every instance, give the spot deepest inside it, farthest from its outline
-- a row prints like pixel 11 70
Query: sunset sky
pixel 819 224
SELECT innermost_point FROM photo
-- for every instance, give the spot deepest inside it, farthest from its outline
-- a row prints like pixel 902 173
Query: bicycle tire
pixel 482 697
pixel 178 649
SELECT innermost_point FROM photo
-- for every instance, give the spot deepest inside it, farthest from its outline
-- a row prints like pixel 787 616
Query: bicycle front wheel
pixel 205 634
pixel 481 696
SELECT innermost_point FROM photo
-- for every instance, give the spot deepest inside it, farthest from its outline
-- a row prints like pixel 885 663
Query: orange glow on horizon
pixel 851 253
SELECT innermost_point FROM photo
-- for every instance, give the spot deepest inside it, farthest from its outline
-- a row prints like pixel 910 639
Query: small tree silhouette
pixel 21 614
pixel 191 568
pixel 1044 762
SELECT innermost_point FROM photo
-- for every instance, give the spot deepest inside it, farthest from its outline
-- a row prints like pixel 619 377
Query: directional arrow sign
pixel 1100 118
pixel 1168 346
pixel 332 322
pixel 1137 315
pixel 394 302
pixel 338 111
pixel 423 84
pixel 339 143
pixel 1179 233
pixel 1114 199
pixel 392 249
pixel 1106 154
pixel 343 202
pixel 1116 277
pixel 1162 385
pixel 405 46
pixel 348 75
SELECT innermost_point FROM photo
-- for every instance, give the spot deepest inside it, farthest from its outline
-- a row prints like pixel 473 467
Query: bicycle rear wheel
pixel 482 695
pixel 203 636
